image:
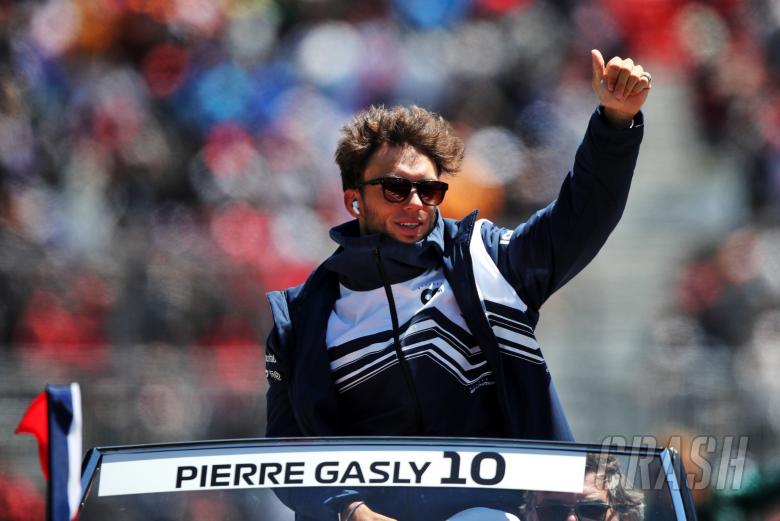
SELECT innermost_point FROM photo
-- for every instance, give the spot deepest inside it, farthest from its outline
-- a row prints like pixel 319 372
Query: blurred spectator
pixel 19 499
pixel 725 289
pixel 757 499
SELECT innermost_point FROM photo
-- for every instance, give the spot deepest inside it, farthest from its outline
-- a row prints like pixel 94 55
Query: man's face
pixel 408 221
pixel 592 493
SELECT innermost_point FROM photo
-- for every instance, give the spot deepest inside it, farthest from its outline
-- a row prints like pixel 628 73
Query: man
pixel 604 497
pixel 420 325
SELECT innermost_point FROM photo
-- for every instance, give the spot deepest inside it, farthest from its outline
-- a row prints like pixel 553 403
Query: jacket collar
pixel 356 259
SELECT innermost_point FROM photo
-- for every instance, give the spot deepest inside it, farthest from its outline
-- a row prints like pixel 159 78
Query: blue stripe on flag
pixel 64 447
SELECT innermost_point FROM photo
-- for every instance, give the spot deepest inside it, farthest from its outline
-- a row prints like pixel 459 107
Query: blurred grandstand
pixel 163 163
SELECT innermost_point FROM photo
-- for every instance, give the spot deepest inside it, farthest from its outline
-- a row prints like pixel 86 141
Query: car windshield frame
pixel 672 465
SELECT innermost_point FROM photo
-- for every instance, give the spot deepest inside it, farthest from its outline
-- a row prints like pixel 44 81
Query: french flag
pixel 54 418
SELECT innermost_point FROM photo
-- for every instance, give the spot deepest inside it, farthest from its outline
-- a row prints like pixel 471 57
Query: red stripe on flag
pixel 36 422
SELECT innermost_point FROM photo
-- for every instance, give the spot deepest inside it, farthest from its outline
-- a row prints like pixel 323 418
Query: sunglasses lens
pixel 552 512
pixel 592 512
pixel 432 192
pixel 396 189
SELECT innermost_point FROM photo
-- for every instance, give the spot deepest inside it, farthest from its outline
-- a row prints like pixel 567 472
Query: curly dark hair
pixel 413 126
pixel 627 502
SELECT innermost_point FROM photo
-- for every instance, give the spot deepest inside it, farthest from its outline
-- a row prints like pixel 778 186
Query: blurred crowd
pixel 720 338
pixel 166 162
pixel 717 350
pixel 163 163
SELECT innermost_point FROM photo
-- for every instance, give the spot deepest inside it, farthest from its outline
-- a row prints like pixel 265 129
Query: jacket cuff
pixel 603 131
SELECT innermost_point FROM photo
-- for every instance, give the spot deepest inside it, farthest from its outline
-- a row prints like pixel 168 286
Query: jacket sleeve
pixel 308 503
pixel 557 242
pixel 280 420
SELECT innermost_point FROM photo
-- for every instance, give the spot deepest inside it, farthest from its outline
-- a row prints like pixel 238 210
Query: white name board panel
pixel 342 466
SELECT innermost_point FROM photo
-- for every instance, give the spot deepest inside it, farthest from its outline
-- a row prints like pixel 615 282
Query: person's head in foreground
pixel 391 161
pixel 604 497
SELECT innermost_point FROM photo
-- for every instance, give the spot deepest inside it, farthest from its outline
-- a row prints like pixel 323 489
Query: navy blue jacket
pixel 501 311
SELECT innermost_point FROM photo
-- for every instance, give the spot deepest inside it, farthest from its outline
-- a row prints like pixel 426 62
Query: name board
pixel 359 466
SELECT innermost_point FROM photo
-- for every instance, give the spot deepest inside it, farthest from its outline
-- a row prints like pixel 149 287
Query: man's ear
pixel 353 202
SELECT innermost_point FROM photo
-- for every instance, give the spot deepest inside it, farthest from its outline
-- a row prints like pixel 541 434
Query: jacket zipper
pixel 418 417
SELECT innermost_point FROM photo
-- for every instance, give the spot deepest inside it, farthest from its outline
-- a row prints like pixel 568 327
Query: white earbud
pixel 356 207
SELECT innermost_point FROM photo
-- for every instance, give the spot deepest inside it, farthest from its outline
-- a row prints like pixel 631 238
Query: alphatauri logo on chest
pixel 428 293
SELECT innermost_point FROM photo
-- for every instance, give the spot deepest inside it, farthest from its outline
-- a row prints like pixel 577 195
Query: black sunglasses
pixel 584 510
pixel 397 189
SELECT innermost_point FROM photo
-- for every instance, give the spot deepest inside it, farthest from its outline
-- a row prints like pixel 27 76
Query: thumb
pixel 598 66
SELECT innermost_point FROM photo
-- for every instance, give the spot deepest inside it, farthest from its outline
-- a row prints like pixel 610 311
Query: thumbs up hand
pixel 621 85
